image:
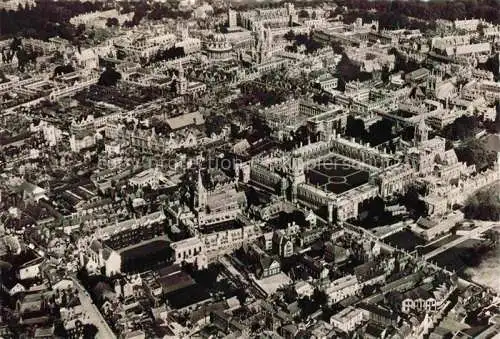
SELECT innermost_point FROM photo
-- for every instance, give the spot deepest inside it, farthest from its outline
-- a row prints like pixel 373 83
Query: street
pixel 96 318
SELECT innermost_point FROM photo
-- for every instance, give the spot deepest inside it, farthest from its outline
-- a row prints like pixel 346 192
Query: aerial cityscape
pixel 250 169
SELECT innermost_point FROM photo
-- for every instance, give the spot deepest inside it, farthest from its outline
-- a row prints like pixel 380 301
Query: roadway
pixel 95 316
pixel 391 249
pixel 472 234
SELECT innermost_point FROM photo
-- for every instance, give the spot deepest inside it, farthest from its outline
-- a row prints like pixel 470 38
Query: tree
pixel 474 152
pixel 348 71
pixel 63 69
pixel 304 14
pixel 413 203
pixel 484 205
pixel 290 36
pixel 214 124
pixel 393 20
pixel 305 40
pixel 306 306
pixel 80 29
pixel 355 128
pixel 139 13
pixel 112 22
pixel 319 297
pixel 242 296
pixel 322 98
pixel 89 331
pixel 168 54
pixel 289 294
pixel 380 131
pixel 462 128
pixel 109 77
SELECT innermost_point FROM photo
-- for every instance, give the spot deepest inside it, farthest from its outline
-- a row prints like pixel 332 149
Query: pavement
pixel 95 316
pixel 472 234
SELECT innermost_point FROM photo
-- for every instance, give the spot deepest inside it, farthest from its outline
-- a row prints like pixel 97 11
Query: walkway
pixel 95 316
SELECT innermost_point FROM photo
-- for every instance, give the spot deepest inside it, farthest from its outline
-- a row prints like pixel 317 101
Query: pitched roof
pixel 185 120
pixel 96 246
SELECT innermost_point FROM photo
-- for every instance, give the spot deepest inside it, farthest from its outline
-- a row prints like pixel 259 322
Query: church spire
pixel 200 181
pixel 201 192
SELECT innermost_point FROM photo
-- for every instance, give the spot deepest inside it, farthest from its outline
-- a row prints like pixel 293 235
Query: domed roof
pixel 219 37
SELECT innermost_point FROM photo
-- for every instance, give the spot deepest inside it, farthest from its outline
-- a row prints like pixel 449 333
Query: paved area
pixel 472 234
pixel 96 318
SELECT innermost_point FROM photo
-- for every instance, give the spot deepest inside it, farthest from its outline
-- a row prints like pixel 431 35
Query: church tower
pixel 296 174
pixel 232 18
pixel 297 165
pixel 421 132
pixel 269 38
pixel 181 81
pixel 201 194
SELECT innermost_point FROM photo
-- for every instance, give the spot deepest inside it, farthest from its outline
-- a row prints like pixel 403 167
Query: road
pixel 96 318
pixel 474 233
pixel 391 249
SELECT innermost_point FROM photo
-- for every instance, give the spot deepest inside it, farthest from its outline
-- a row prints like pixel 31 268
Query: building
pixel 99 19
pixel 292 114
pixel 144 45
pixel 191 250
pixel 218 48
pixel 275 17
pixel 221 203
pixel 380 315
pixel 151 177
pixel 342 288
pixel 97 258
pixel 469 25
pixel 82 139
pixel 189 45
pixel 418 299
pixel 442 222
pixel 267 267
pixel 423 298
pixel 232 18
pixel 185 87
pixel 327 82
pixel 348 319
pixel 30 270
pixel 226 241
pixel 14 5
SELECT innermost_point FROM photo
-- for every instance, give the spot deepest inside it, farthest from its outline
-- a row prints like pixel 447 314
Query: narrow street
pixel 104 331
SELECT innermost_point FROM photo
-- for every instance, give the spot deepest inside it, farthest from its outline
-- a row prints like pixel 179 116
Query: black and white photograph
pixel 254 169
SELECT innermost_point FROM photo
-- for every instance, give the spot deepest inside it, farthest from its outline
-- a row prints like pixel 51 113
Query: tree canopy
pixel 112 22
pixel 47 19
pixel 379 132
pixel 484 205
pixel 416 206
pixel 474 152
pixel 462 128
pixel 109 77
pixel 394 13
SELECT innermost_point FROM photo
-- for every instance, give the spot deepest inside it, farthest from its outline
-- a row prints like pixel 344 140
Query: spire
pixel 201 193
pixel 181 70
pixel 421 125
pixel 201 188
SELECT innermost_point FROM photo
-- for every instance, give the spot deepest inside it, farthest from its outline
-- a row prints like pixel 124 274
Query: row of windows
pixel 188 253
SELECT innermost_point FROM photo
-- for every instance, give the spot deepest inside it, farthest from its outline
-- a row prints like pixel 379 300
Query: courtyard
pixel 336 176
